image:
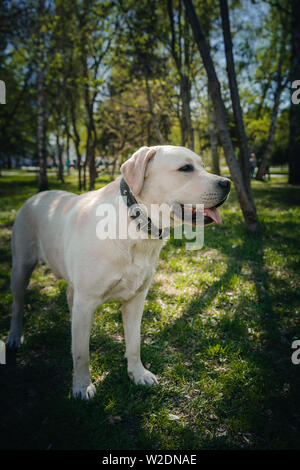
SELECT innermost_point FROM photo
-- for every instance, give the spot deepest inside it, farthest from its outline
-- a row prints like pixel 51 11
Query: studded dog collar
pixel 135 212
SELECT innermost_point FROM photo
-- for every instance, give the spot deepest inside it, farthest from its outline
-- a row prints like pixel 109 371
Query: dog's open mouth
pixel 190 213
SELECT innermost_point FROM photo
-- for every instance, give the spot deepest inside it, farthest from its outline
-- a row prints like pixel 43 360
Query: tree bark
pixel 76 140
pixel 182 66
pixel 84 175
pixel 294 144
pixel 159 135
pixel 266 155
pixel 60 172
pixel 92 168
pixel 185 93
pixel 186 85
pixel 41 107
pixel 90 155
pixel 245 199
pixel 244 155
pixel 91 132
pixel 213 137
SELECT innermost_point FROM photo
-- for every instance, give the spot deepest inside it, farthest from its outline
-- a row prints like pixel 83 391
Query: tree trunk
pixel 90 157
pixel 185 94
pixel 60 172
pixel 159 135
pixel 266 155
pixel 84 176
pixel 245 199
pixel 244 154
pixel 91 133
pixel 78 163
pixel 68 152
pixel 294 145
pixel 92 168
pixel 76 140
pixel 41 108
pixel 213 137
pixel 185 119
pixel 113 167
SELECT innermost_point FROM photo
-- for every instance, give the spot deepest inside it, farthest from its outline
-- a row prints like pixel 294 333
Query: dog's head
pixel 175 176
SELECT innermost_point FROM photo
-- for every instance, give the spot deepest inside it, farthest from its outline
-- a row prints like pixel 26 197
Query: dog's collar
pixel 143 221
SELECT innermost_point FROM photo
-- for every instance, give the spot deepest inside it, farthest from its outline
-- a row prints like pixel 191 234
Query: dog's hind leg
pixel 19 280
pixel 82 318
pixel 24 261
pixel 70 295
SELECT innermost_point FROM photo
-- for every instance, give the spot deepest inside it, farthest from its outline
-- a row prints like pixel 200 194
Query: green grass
pixel 217 330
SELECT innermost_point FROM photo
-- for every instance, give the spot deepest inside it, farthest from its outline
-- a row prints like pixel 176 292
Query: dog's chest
pixel 136 273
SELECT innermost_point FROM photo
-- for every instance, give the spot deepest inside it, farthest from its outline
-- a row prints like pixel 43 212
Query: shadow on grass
pixel 262 394
pixel 280 193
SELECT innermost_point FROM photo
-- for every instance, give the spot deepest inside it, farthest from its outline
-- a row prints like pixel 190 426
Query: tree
pixel 182 53
pixel 18 117
pixel 272 70
pixel 294 145
pixel 123 119
pixel 280 85
pixel 244 154
pixel 65 82
pixel 245 197
pixel 97 25
pixel 82 35
pixel 139 46
pixel 209 10
pixel 213 136
pixel 41 102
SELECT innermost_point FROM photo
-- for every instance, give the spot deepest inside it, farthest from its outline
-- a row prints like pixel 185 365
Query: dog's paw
pixel 144 377
pixel 14 340
pixel 85 392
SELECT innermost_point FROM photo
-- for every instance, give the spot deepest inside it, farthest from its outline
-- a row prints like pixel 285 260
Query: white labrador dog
pixel 60 229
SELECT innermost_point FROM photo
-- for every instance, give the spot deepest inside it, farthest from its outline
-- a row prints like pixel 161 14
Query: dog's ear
pixel 133 170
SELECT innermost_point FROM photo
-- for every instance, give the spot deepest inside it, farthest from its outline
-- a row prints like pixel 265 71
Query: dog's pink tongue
pixel 214 214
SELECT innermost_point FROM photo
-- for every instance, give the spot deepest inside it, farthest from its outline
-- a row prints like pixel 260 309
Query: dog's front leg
pixel 132 311
pixel 82 317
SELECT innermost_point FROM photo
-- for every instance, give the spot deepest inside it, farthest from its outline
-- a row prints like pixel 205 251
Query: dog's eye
pixel 186 168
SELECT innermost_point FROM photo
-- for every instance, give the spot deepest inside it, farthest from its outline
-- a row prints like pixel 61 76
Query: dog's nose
pixel 224 183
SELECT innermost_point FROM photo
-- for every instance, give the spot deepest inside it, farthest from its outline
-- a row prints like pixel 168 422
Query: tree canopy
pixel 119 74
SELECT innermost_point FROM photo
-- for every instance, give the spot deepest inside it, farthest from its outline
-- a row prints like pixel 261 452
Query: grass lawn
pixel 217 330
